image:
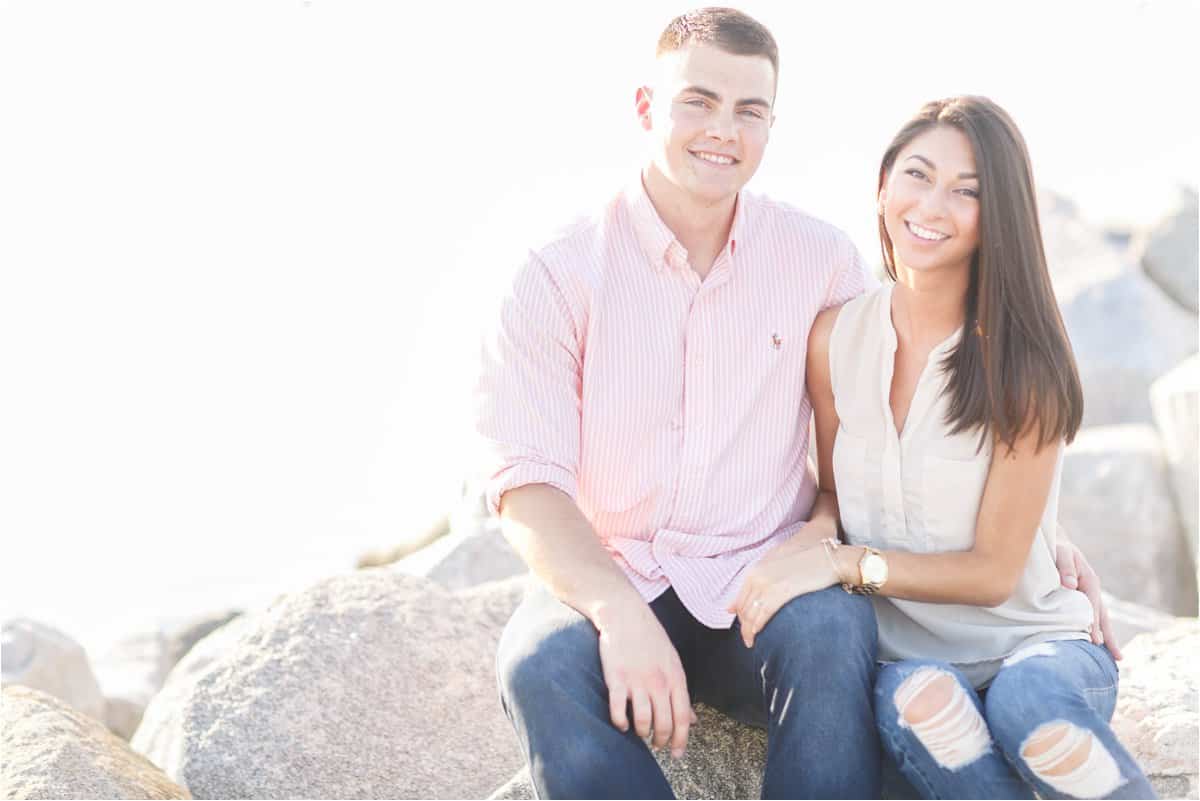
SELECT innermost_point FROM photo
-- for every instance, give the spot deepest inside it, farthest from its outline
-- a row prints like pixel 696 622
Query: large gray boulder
pixel 368 685
pixel 36 655
pixel 1125 333
pixel 52 751
pixel 133 670
pixel 1078 254
pixel 1175 399
pixel 474 553
pixel 1157 717
pixel 1115 502
pixel 1169 252
pixel 1125 330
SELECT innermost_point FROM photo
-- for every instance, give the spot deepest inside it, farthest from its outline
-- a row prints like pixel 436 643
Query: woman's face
pixel 930 202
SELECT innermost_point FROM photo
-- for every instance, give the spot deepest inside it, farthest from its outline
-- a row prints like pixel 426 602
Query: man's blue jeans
pixel 1040 726
pixel 807 680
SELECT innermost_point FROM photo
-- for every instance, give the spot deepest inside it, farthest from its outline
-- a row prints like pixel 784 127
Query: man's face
pixel 709 114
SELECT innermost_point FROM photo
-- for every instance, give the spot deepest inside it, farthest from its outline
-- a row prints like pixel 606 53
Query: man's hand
pixel 643 672
pixel 1075 573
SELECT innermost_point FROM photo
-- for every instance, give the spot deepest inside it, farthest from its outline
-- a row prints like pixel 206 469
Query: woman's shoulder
pixel 857 315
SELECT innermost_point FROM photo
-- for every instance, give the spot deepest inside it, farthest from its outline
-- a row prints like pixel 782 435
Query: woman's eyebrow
pixel 933 166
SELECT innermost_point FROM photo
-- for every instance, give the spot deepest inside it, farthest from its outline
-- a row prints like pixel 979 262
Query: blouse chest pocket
pixel 952 492
pixel 850 472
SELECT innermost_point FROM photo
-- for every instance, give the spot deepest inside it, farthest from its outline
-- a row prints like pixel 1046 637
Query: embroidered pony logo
pixel 776 342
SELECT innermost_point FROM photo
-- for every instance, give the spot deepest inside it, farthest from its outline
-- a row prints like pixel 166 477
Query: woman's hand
pixel 781 575
pixel 1076 573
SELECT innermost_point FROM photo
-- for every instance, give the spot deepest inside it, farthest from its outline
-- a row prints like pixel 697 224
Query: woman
pixel 943 403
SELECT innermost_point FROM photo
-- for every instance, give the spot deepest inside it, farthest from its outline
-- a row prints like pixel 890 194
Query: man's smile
pixel 719 159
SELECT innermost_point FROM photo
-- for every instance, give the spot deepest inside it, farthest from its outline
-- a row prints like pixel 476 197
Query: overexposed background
pixel 245 246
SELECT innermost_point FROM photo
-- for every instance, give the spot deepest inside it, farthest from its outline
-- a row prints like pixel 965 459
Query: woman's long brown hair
pixel 1013 368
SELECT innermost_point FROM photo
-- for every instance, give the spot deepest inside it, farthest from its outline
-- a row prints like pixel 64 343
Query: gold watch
pixel 872 572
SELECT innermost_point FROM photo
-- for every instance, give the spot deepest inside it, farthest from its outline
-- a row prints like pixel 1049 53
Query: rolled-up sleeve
pixel 527 396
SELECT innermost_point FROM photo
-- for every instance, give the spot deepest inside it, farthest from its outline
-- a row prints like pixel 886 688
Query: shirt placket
pixel 697 402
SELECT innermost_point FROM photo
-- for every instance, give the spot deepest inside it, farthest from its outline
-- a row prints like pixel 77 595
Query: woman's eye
pixel 915 173
pixel 972 193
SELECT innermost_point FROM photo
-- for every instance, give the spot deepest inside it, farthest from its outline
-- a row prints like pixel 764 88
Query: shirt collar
pixel 657 241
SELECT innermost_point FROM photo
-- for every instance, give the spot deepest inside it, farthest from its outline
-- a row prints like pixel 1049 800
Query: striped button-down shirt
pixel 671 409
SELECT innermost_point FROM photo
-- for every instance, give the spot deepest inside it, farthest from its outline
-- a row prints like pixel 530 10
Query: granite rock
pixel 467 556
pixel 1115 502
pixel 1169 252
pixel 133 670
pixel 1157 715
pixel 42 657
pixel 52 751
pixel 1175 399
pixel 1125 334
pixel 368 685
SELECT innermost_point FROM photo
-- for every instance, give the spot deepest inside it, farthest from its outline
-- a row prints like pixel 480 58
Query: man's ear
pixel 644 95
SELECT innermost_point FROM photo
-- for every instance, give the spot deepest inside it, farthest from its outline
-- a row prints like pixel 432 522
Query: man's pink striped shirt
pixel 671 409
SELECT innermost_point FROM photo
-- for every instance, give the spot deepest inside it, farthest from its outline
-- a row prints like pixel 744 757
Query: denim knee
pixel 529 669
pixel 841 625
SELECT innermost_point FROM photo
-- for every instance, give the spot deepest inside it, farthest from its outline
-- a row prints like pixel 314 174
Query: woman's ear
pixel 881 200
pixel 644 96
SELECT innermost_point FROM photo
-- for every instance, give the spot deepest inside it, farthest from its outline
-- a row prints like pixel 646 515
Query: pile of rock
pixel 381 684
pixel 1128 494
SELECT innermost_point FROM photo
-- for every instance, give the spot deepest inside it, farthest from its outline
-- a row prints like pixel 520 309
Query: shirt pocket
pixel 850 473
pixel 952 490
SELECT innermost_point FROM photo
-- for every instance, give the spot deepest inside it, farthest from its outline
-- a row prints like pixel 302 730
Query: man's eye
pixel 753 113
pixel 695 102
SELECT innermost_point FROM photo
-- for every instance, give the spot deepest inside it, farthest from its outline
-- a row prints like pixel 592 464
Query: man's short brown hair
pixel 725 28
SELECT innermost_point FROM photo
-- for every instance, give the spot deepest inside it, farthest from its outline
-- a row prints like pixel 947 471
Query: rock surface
pixel 1169 252
pixel 1157 715
pixel 1078 254
pixel 1175 399
pixel 1125 333
pixel 134 669
pixel 465 557
pixel 1115 503
pixel 368 685
pixel 52 751
pixel 42 657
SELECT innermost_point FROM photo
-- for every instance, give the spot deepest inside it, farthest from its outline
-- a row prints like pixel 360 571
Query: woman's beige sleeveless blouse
pixel 920 492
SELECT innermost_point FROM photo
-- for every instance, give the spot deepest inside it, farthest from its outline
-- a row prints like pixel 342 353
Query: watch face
pixel 874 569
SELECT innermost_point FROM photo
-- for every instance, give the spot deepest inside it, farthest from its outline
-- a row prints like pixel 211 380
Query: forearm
pixel 949 577
pixel 560 547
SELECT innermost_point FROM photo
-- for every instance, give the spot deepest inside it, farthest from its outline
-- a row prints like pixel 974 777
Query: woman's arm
pixel 1014 497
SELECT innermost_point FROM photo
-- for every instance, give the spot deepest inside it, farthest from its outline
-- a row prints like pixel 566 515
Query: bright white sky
pixel 246 245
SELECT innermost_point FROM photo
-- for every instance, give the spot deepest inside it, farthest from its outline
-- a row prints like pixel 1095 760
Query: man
pixel 643 400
